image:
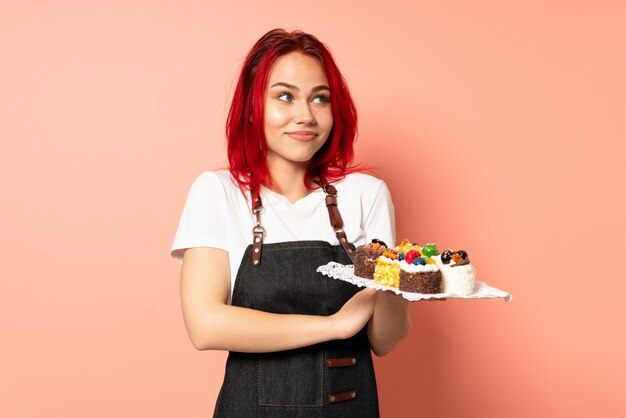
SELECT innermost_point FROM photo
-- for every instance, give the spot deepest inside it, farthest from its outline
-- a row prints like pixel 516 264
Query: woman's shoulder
pixel 215 180
pixel 360 181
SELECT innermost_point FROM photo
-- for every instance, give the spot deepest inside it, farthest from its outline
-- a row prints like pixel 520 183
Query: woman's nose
pixel 304 114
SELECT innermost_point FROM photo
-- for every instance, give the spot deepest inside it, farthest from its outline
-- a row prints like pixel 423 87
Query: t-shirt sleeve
pixel 380 222
pixel 203 221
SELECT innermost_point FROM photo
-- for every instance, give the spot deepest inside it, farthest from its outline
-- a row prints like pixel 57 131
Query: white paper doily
pixel 346 273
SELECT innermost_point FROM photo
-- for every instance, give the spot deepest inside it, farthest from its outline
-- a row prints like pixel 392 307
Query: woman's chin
pixel 299 159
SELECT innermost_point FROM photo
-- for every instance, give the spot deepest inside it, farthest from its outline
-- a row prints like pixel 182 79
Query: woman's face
pixel 298 117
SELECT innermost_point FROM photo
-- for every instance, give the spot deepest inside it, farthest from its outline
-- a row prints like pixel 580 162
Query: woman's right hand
pixel 213 324
pixel 355 313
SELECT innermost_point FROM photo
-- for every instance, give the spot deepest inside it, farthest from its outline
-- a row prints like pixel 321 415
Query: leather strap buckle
pixel 258 232
pixel 328 191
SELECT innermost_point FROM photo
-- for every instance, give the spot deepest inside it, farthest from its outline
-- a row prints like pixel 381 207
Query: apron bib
pixel 330 379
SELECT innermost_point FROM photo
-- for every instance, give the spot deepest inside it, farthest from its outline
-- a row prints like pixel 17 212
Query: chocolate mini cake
pixel 365 258
pixel 419 272
pixel 420 282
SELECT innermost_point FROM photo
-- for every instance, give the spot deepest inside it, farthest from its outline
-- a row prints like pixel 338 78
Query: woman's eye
pixel 286 97
pixel 321 99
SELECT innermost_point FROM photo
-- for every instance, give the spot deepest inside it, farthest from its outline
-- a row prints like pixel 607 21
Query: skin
pixel 296 100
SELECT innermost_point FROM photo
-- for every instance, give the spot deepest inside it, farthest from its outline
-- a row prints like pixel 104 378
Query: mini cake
pixel 387 271
pixel 406 268
pixel 419 273
pixel 457 272
pixel 365 258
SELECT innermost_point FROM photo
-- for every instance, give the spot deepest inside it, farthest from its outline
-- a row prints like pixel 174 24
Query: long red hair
pixel 247 147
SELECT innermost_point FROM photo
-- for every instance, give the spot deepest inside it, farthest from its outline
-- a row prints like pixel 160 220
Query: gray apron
pixel 331 379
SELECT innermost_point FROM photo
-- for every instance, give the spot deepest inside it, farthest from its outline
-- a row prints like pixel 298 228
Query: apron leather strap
pixel 333 213
pixel 335 217
pixel 257 231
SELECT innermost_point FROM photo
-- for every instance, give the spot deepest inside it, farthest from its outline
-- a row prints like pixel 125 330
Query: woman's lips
pixel 302 136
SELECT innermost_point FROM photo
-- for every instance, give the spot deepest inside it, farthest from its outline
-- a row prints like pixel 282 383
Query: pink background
pixel 498 128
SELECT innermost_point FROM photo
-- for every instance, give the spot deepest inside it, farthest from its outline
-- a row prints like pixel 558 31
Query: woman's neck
pixel 287 179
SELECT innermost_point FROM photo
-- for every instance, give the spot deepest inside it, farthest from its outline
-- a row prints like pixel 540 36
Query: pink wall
pixel 499 128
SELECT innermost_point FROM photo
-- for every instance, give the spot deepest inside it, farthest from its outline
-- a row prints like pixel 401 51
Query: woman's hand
pixel 389 324
pixel 213 324
pixel 393 299
pixel 355 313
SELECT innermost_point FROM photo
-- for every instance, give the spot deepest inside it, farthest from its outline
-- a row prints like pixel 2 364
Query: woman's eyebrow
pixel 318 88
pixel 292 87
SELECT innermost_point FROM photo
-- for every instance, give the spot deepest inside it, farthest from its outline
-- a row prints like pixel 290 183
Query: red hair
pixel 247 147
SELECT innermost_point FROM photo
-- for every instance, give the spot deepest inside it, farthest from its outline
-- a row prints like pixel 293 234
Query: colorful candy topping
pixel 419 261
pixel 410 255
pixel 377 241
pixel 459 256
pixel 376 244
pixel 391 254
pixel 406 246
pixel 430 250
pixel 408 251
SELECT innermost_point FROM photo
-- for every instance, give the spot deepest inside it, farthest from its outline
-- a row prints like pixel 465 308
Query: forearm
pixel 239 329
pixel 389 324
pixel 213 324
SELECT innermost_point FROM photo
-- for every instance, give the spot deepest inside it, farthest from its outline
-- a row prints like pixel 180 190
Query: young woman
pixel 251 238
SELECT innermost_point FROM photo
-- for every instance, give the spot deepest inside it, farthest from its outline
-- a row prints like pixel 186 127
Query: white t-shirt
pixel 217 215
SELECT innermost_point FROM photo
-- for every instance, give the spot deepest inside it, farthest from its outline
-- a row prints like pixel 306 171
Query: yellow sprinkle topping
pixel 406 246
pixel 386 273
pixel 391 253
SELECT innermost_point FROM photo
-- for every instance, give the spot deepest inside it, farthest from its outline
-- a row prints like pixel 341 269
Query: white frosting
pixel 388 260
pixel 411 268
pixel 459 280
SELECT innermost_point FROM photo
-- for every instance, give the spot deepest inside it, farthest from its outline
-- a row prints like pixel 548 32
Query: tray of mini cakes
pixel 415 272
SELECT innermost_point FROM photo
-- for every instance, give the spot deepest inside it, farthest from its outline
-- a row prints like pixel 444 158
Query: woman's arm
pixel 389 324
pixel 212 324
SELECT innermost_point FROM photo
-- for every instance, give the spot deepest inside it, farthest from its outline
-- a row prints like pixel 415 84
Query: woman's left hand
pixel 392 297
pixel 390 322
